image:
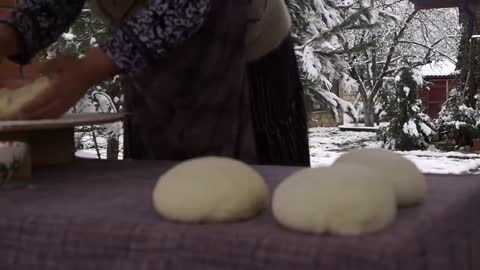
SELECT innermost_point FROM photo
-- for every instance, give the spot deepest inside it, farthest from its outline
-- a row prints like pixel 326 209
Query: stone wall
pixel 325 118
pixel 322 119
pixel 347 96
pixel 350 97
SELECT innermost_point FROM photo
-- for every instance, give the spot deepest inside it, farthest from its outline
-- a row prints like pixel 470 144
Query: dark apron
pixel 195 101
pixel 278 109
pixel 199 101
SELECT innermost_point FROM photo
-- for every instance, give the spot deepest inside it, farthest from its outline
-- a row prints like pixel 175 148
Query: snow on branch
pixel 339 104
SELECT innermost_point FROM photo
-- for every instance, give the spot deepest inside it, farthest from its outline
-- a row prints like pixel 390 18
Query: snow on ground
pixel 327 144
pixel 90 152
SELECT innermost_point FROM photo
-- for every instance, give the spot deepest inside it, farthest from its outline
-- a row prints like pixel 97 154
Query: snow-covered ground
pixel 89 150
pixel 327 144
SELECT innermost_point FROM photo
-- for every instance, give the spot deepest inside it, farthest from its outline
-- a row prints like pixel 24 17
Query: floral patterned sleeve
pixel 137 43
pixel 41 23
pixel 153 31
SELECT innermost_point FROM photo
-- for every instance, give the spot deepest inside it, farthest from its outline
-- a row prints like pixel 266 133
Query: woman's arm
pixel 39 23
pixel 153 31
pixel 139 42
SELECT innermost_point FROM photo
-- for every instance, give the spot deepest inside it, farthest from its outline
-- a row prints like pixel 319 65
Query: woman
pixel 183 65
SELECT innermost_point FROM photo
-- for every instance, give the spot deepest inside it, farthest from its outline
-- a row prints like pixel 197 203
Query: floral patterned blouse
pixel 138 42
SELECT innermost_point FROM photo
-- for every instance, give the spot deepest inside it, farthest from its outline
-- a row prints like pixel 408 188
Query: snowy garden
pixel 361 62
pixel 327 144
pixel 379 52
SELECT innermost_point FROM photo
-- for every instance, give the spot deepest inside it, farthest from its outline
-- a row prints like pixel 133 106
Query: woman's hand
pixel 72 77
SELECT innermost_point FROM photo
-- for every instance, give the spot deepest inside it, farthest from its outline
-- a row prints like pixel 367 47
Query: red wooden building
pixel 440 78
pixel 469 10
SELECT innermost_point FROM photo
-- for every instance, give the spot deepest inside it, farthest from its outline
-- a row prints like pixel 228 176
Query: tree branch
pixel 362 90
pixel 391 52
pixel 354 49
pixel 430 48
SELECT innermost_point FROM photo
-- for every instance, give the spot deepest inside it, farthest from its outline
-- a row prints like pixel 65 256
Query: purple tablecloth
pixel 95 215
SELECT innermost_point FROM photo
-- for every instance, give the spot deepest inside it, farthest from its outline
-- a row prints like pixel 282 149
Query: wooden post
pixel 471 82
pixel 447 91
pixel 47 147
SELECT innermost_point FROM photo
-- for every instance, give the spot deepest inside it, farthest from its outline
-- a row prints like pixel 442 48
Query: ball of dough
pixel 210 189
pixel 11 101
pixel 408 182
pixel 343 200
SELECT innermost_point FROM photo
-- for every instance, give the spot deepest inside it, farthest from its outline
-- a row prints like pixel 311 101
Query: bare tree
pixel 321 29
pixel 416 37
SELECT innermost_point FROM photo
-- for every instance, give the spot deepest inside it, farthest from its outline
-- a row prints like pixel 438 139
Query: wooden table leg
pixel 47 147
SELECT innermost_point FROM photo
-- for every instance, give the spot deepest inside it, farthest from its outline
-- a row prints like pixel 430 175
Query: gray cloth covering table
pixel 93 215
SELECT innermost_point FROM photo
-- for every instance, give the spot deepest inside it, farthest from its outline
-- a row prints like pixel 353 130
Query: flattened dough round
pixel 210 189
pixel 344 200
pixel 408 182
pixel 11 101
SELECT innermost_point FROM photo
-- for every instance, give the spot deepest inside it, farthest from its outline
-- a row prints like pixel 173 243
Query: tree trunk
pixel 369 113
pixel 471 69
pixel 113 148
pixel 95 142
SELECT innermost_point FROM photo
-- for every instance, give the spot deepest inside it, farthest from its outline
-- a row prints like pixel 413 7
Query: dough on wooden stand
pixel 210 190
pixel 343 200
pixel 408 182
pixel 11 101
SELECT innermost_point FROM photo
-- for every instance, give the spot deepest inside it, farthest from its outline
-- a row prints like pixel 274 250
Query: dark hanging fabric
pixel 471 17
pixel 279 117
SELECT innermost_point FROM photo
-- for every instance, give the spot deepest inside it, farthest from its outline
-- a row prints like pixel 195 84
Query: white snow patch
pixel 410 128
pixel 338 103
pixel 438 68
pixel 347 119
pixel 444 165
pixel 459 124
pixel 311 65
pixel 68 36
pixel 86 154
pixel 426 129
pixel 327 144
pixel 418 77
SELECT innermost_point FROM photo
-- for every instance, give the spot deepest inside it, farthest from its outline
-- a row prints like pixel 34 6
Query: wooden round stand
pixel 51 141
